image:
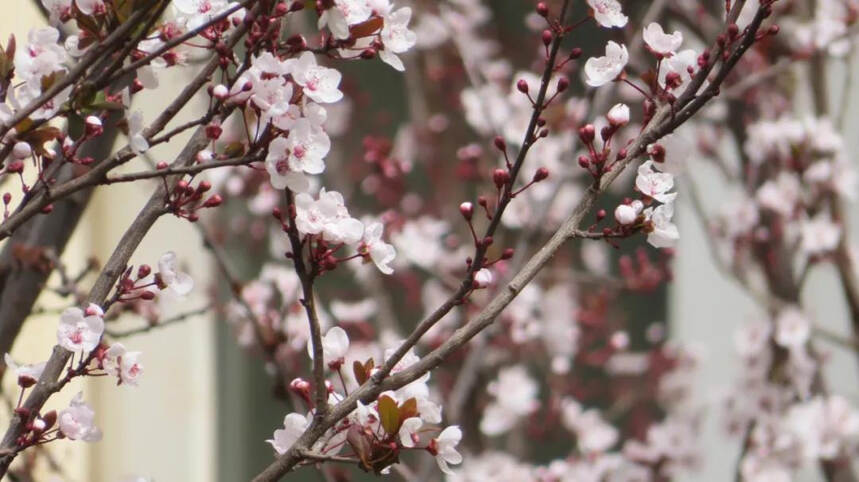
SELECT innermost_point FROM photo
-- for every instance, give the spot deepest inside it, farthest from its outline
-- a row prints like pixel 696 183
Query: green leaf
pixel 390 414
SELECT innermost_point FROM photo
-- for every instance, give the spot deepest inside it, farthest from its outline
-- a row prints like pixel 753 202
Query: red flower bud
pixel 467 210
pixel 500 177
pixel 542 9
pixel 522 86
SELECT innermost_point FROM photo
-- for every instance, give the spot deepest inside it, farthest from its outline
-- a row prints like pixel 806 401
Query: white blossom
pixel 396 37
pixel 29 372
pixel 608 13
pixel 660 42
pixel 327 216
pixel 602 70
pixel 335 344
pixel 819 235
pixel 380 252
pixel 294 425
pixel 176 281
pixel 77 422
pixel 79 331
pixel 125 365
pixel 664 233
pixel 655 184
pixel 318 82
pixel 444 447
pixel 618 115
pixel 792 328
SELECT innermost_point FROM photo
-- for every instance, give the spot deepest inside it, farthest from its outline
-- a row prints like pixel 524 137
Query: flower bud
pixel 482 279
pixel 587 133
pixel 93 126
pixel 657 152
pixel 619 340
pixel 522 86
pixel 500 177
pixel 541 174
pixel 213 201
pixel 584 162
pixel 563 84
pixel 500 144
pixel 143 271
pixel 213 131
pixel 467 210
pixel 618 116
pixel 542 9
pixel 625 214
pixel 15 166
pixel 220 92
pixel 21 150
pixel 547 37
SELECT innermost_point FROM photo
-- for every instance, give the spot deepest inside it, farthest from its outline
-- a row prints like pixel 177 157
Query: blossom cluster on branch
pixel 487 327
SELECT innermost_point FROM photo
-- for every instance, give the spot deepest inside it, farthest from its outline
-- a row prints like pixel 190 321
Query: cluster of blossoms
pixel 397 421
pixel 81 332
pixel 789 427
pixel 615 389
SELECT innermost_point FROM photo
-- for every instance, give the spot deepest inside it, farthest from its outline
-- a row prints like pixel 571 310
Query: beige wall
pixel 165 428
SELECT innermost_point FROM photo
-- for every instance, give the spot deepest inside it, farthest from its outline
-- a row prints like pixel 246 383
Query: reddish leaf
pixel 360 374
pixel 366 28
pixel 408 409
pixel 390 414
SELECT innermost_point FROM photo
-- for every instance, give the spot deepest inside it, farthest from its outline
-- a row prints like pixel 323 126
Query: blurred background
pixel 204 407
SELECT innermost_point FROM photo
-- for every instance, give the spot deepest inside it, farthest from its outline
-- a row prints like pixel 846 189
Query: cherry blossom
pixel 327 216
pixel 444 448
pixel 625 214
pixel 342 14
pixel 123 364
pixel 780 194
pixel 655 184
pixel 396 37
pixel 674 71
pixel 27 374
pixel 792 329
pixel 91 7
pixel 409 431
pixel 593 434
pixel 318 82
pixel 664 234
pixel 302 151
pixel 819 235
pixel 661 43
pixel 136 140
pixel 515 397
pixel 335 344
pixel 608 13
pixel 483 278
pixel 79 331
pixel 176 281
pixel 618 116
pixel 77 422
pixel 602 70
pixel 41 57
pixel 379 251
pixel 57 9
pixel 294 425
pixel 197 12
